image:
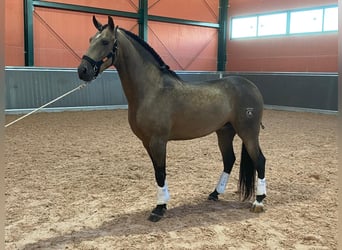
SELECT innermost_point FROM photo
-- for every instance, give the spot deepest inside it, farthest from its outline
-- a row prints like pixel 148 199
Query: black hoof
pixel 157 213
pixel 213 196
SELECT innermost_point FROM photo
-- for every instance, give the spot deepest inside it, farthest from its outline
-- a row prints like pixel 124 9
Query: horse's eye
pixel 105 42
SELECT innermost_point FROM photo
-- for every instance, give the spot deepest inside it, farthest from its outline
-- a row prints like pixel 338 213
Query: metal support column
pixel 28 33
pixel 84 9
pixel 143 17
pixel 222 36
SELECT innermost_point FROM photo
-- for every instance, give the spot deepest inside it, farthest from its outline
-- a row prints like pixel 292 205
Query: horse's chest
pixel 146 122
pixel 132 120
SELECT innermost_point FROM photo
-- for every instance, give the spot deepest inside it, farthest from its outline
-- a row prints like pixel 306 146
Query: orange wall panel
pixel 121 5
pixel 300 53
pixel 294 53
pixel 247 7
pixel 14 33
pixel 184 47
pixel 61 37
pixel 180 46
pixel 204 10
pixel 54 43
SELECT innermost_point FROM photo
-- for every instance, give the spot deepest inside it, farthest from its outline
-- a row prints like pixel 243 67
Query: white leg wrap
pixel 222 183
pixel 163 195
pixel 261 187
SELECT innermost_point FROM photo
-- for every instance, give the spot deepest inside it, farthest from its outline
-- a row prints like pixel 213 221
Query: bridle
pixel 97 64
pixel 111 55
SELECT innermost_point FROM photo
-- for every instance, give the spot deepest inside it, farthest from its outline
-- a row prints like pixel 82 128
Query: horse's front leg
pixel 156 148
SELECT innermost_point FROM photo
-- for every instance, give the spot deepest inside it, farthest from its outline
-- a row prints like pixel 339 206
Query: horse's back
pixel 199 108
pixel 245 90
pixel 238 89
pixel 230 94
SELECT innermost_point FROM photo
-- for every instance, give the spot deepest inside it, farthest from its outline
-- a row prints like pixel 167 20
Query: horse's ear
pixel 111 23
pixel 97 24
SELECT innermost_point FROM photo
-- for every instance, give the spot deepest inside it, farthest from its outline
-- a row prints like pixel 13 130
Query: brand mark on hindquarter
pixel 249 112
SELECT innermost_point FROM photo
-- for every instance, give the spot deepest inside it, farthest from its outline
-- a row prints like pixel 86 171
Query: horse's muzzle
pixel 85 71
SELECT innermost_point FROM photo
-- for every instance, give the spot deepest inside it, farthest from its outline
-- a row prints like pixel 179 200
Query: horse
pixel 162 107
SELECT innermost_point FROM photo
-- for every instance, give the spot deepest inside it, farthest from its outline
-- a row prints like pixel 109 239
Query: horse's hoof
pixel 213 196
pixel 257 207
pixel 157 213
pixel 154 217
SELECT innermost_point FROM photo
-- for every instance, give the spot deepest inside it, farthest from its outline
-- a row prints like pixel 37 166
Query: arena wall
pixel 61 37
pixel 29 87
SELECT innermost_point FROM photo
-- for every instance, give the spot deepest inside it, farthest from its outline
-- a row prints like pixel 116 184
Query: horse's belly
pixel 200 115
pixel 194 127
pixel 188 135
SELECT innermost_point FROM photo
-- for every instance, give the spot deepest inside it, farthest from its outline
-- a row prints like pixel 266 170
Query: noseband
pixel 97 64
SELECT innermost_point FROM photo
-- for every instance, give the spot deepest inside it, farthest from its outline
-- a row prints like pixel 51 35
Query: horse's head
pixel 101 52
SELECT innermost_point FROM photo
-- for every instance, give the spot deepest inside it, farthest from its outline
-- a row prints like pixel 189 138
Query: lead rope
pixel 54 100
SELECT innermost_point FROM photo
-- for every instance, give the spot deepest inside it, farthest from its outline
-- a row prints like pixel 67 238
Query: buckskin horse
pixel 162 107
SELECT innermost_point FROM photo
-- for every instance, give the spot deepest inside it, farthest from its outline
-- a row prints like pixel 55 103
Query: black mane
pixel 163 66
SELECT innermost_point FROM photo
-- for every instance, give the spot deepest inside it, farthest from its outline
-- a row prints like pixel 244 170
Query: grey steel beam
pixel 143 18
pixel 222 36
pixel 182 21
pixel 101 11
pixel 85 9
pixel 28 33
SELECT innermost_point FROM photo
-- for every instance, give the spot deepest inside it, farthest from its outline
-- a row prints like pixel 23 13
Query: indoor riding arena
pixel 82 172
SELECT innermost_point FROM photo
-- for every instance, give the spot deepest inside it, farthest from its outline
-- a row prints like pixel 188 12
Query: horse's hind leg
pixel 225 138
pixel 253 159
pixel 261 184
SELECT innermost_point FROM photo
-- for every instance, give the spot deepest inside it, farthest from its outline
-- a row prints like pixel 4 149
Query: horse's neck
pixel 139 77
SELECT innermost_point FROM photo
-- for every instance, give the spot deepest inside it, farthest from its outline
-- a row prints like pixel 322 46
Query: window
pixel 244 27
pixel 291 22
pixel 274 24
pixel 330 19
pixel 306 21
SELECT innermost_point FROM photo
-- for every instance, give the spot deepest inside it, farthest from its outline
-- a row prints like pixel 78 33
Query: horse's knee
pixel 160 176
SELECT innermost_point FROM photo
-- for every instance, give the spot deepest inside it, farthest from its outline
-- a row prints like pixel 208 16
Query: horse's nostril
pixel 84 73
pixel 82 70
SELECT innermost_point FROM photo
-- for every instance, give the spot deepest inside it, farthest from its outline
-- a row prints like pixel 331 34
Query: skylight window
pixel 330 19
pixel 306 21
pixel 244 27
pixel 273 24
pixel 291 22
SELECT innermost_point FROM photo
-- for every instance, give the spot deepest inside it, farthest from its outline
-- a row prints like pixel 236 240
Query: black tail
pixel 247 175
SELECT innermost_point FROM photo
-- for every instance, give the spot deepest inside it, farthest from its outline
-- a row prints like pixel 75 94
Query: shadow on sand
pixel 198 213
